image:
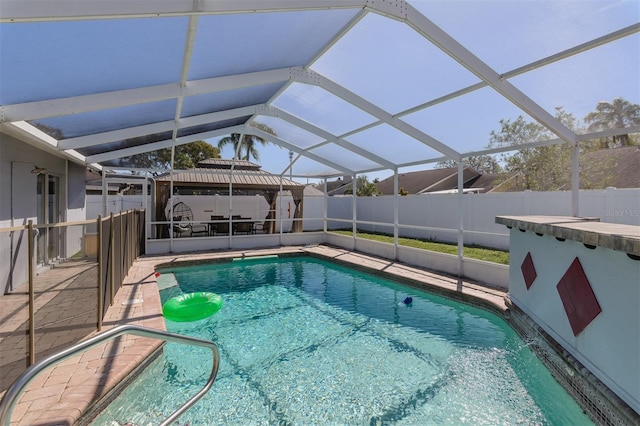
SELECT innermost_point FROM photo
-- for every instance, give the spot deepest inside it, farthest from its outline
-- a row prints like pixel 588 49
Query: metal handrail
pixel 10 398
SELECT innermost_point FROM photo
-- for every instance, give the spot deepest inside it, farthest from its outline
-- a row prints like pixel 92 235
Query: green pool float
pixel 191 306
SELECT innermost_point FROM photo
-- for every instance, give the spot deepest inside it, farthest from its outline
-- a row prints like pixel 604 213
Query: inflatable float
pixel 191 306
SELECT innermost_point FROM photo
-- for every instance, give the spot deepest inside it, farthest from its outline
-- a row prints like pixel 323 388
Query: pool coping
pixel 70 392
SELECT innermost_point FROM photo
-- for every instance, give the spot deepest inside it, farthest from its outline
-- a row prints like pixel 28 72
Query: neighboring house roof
pixel 437 180
pixel 616 167
pixel 485 183
pixel 217 172
pixel 337 187
pixel 312 190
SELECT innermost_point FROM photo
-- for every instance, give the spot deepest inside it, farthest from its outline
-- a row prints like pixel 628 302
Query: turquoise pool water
pixel 307 342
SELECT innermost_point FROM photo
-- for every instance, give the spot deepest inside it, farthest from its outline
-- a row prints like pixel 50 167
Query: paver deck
pixel 60 395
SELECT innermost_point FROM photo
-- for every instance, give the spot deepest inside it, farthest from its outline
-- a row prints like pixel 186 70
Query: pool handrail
pixel 10 398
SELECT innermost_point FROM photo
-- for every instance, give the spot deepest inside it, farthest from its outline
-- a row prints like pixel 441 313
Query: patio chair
pixel 260 227
pixel 180 227
pixel 244 228
pixel 222 228
pixel 215 222
pixel 183 222
pixel 199 228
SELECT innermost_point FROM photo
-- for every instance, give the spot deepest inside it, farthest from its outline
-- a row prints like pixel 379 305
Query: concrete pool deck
pixel 62 394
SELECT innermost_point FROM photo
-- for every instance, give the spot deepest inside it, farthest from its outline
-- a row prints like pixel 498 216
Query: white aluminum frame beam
pixel 555 141
pixel 140 149
pixel 608 133
pixel 149 129
pixel 46 10
pixel 305 125
pixel 192 29
pixel 115 135
pixel 314 78
pixel 121 98
pixel 462 55
pixel 281 142
pixel 608 38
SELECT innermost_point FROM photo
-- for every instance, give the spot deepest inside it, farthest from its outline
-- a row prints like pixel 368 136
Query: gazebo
pixel 217 176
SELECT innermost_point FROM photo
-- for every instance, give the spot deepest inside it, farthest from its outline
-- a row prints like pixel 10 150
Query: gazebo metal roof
pixel 219 173
pixel 97 81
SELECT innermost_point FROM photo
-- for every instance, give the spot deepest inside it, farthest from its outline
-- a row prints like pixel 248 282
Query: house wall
pixel 18 195
pixel 76 209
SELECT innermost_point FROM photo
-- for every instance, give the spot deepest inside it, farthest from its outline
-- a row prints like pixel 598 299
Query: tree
pixel 543 168
pixel 51 131
pixel 186 156
pixel 364 187
pixel 619 113
pixel 485 164
pixel 248 143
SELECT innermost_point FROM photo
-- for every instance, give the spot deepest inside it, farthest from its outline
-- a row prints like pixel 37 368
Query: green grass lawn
pixel 474 252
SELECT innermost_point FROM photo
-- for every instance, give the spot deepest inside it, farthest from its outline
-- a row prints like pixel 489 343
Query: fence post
pixel 32 325
pixel 127 243
pixel 112 261
pixel 100 283
pixel 132 233
pixel 123 250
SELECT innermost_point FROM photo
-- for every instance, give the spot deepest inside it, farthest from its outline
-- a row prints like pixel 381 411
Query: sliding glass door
pixel 48 205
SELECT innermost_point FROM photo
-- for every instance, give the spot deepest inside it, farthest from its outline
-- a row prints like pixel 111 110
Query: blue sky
pixel 388 63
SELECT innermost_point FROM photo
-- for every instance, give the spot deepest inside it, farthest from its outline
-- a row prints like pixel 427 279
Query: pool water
pixel 304 342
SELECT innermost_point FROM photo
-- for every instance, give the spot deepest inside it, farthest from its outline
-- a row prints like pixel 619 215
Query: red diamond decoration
pixel 528 271
pixel 577 297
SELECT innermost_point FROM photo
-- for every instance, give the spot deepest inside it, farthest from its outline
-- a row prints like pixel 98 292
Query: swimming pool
pixel 304 341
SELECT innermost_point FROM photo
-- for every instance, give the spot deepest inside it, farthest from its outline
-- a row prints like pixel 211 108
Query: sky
pixel 382 60
pixel 403 70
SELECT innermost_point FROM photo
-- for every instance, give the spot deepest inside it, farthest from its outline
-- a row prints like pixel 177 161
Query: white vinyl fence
pixel 431 217
pixel 435 216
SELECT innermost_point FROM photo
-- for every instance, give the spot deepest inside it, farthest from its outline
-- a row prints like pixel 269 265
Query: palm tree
pixel 248 143
pixel 616 114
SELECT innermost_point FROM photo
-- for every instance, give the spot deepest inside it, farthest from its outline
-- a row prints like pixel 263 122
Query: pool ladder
pixel 10 398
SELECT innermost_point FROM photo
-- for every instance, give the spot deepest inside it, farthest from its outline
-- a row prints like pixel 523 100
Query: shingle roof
pixel 436 180
pixel 617 167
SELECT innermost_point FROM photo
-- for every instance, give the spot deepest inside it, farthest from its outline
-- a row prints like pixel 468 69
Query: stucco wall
pixel 18 193
pixel 610 345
